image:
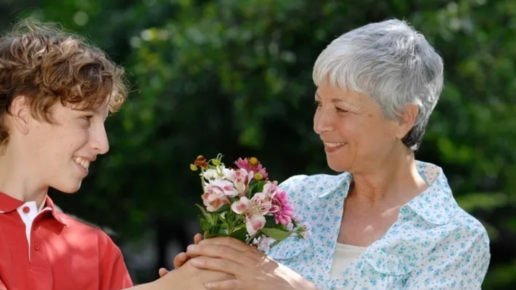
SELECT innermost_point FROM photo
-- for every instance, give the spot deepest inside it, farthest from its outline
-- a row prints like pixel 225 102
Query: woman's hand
pixel 252 269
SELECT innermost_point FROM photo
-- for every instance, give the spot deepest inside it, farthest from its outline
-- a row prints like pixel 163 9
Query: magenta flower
pixel 252 165
pixel 243 164
pixel 261 170
pixel 282 210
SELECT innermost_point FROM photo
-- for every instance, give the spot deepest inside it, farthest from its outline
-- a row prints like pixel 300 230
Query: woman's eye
pixel 317 103
pixel 342 110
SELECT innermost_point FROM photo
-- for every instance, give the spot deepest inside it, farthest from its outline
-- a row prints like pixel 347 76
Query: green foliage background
pixel 234 76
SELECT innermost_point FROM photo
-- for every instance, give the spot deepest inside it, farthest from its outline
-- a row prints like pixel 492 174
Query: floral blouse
pixel 434 244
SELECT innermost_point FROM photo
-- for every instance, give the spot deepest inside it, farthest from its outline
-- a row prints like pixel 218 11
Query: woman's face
pixel 356 134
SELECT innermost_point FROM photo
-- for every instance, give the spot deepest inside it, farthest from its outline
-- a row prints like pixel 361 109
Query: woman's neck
pixel 392 182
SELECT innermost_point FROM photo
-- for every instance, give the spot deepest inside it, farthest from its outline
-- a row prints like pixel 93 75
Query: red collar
pixel 9 204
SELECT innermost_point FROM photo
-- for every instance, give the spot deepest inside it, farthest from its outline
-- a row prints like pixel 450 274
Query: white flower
pixel 240 179
pixel 224 186
pixel 254 210
pixel 264 244
pixel 306 231
pixel 220 173
pixel 255 223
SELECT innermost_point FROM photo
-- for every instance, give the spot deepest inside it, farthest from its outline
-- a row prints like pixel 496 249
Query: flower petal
pixel 240 206
pixel 255 223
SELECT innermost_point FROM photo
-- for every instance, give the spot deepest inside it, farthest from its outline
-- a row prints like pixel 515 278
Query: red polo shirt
pixel 52 251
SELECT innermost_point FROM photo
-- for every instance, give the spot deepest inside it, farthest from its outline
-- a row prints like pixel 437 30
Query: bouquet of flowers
pixel 244 204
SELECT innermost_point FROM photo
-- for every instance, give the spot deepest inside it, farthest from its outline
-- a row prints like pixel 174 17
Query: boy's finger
pixel 180 259
pixel 162 272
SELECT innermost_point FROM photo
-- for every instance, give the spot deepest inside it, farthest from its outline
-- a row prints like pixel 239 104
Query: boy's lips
pixel 84 162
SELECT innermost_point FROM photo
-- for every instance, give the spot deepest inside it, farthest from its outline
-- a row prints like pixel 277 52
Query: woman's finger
pixel 229 242
pixel 217 264
pixel 198 238
pixel 215 251
pixel 225 285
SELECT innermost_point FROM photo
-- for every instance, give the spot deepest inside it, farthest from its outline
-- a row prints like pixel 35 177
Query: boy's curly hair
pixel 46 65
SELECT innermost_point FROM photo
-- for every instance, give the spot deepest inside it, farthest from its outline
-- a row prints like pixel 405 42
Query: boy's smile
pixel 60 152
pixel 84 163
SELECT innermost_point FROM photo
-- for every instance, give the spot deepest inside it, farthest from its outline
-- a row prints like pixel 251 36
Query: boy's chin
pixel 68 188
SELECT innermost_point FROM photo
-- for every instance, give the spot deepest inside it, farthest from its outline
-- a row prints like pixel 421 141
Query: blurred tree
pixel 235 77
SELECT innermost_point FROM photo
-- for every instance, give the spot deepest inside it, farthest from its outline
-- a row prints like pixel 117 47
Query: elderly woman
pixel 386 221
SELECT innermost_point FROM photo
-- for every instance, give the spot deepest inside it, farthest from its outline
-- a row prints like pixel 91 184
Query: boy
pixel 55 94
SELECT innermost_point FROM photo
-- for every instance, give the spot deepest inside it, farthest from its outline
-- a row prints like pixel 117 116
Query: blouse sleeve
pixel 460 262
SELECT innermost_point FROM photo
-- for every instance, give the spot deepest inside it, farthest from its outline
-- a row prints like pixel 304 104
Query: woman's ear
pixel 20 114
pixel 406 120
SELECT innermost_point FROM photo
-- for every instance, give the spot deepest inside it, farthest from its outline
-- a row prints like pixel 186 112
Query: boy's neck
pixel 15 181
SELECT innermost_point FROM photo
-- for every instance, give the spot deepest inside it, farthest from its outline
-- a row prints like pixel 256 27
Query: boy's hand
pixel 187 277
pixel 181 258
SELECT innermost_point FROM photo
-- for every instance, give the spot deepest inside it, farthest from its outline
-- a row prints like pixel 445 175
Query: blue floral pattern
pixel 434 244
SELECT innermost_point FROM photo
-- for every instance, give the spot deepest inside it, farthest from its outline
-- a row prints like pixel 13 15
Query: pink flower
pixel 240 206
pixel 241 179
pixel 243 164
pixel 214 200
pixel 282 210
pixel 270 189
pixel 254 210
pixel 216 194
pixel 225 186
pixel 254 223
pixel 247 166
pixel 261 170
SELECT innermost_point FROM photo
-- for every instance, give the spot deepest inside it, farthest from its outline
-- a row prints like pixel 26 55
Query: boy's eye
pixel 87 117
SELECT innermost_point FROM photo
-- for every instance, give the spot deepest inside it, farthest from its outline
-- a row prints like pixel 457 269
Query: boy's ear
pixel 20 114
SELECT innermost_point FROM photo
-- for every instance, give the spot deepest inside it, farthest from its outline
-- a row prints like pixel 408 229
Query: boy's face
pixel 63 150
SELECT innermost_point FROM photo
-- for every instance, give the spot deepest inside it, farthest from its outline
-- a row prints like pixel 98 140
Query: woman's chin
pixel 339 166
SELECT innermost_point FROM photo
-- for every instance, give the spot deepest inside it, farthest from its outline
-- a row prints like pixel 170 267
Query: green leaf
pixel 251 189
pixel 270 222
pixel 259 186
pixel 205 225
pixel 206 214
pixel 240 226
pixel 221 209
pixel 239 234
pixel 213 231
pixel 277 234
pixel 274 244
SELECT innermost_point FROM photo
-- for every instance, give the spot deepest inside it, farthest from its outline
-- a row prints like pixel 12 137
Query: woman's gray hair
pixel 392 63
